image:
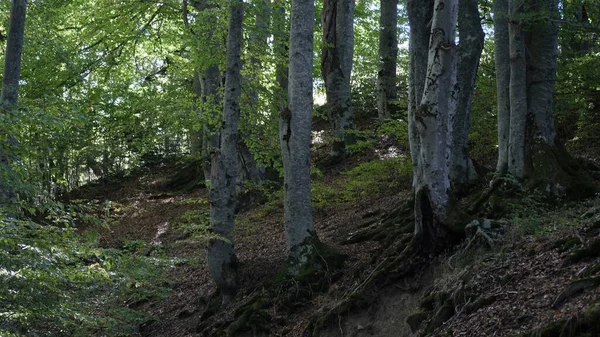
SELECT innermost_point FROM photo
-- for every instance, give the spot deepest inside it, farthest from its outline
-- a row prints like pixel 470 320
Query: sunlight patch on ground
pixel 390 152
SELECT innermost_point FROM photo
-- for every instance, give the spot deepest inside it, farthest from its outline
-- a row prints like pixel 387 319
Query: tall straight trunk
pixel 295 135
pixel 281 35
pixel 542 52
pixel 462 170
pixel 249 168
pixel 388 58
pixel 12 57
pixel 196 135
pixel 419 15
pixel 432 119
pixel 211 81
pixel 502 60
pixel 221 259
pixel 336 68
pixel 10 93
pixel 517 92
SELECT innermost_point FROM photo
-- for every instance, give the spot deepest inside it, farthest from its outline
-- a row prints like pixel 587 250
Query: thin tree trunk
pixel 211 81
pixel 388 58
pixel 336 68
pixel 419 14
pixel 432 120
pixel 295 135
pixel 221 259
pixel 502 59
pixel 517 92
pixel 9 95
pixel 462 170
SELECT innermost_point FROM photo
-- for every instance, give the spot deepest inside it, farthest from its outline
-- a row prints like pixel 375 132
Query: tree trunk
pixel 462 170
pixel 221 259
pixel 502 59
pixel 336 68
pixel 196 135
pixel 295 135
pixel 433 124
pixel 281 35
pixel 211 80
pixel 419 15
pixel 542 52
pixel 388 58
pixel 12 57
pixel 9 95
pixel 517 92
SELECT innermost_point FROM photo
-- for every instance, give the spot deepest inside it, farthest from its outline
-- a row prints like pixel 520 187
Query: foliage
pixel 57 282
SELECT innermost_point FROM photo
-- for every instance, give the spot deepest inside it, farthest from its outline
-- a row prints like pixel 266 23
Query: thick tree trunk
pixel 388 58
pixel 336 68
pixel 462 170
pixel 432 119
pixel 542 52
pixel 295 135
pixel 502 59
pixel 517 92
pixel 221 259
pixel 419 15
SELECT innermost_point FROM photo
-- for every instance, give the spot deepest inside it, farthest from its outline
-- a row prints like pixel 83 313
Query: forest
pixel 300 168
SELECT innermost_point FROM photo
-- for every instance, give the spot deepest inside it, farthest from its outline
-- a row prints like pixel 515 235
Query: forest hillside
pixel 300 168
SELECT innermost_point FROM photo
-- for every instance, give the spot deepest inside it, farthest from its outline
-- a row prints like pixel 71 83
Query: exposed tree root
pixel 582 325
pixel 574 288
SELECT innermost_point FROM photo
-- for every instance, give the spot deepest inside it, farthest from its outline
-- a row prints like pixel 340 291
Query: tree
pixel 221 259
pixel 10 87
pixel 336 68
pixel 388 58
pixel 439 119
pixel 527 139
pixel 295 123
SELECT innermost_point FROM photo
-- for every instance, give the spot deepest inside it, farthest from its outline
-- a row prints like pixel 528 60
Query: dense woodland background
pixel 344 146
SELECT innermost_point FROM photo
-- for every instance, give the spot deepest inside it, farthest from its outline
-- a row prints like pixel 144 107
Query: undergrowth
pixel 54 281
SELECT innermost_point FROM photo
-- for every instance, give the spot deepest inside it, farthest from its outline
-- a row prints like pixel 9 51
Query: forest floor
pixel 544 267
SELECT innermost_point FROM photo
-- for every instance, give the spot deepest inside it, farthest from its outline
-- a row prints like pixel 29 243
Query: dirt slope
pixel 499 291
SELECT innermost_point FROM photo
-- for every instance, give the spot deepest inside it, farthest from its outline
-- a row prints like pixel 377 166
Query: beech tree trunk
pixel 295 135
pixel 419 15
pixel 10 93
pixel 388 58
pixel 517 92
pixel 211 81
pixel 433 123
pixel 462 170
pixel 502 61
pixel 336 68
pixel 221 259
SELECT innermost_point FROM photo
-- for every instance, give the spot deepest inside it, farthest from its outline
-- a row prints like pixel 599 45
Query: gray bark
pixel 542 52
pixel 211 80
pixel 502 59
pixel 336 68
pixel 221 259
pixel 517 92
pixel 295 135
pixel 419 15
pixel 432 119
pixel 471 45
pixel 388 58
